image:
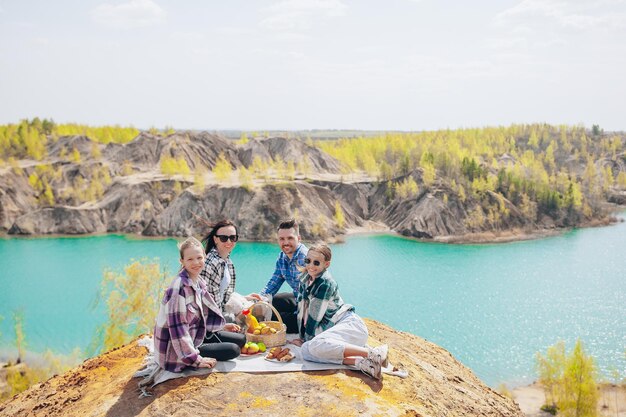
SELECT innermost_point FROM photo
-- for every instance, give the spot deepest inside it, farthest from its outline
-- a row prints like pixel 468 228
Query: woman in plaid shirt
pixel 219 271
pixel 186 314
pixel 330 330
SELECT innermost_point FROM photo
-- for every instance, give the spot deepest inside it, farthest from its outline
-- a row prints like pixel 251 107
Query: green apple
pixel 253 348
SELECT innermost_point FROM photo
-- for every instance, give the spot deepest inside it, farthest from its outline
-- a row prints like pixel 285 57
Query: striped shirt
pixel 213 273
pixel 319 305
pixel 185 315
pixel 287 270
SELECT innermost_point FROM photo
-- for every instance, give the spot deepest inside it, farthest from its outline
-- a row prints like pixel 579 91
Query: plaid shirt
pixel 287 270
pixel 323 304
pixel 185 316
pixel 213 272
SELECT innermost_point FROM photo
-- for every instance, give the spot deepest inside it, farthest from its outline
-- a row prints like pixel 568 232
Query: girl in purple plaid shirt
pixel 190 330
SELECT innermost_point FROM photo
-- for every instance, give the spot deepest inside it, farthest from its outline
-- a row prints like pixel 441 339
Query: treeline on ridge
pixel 490 174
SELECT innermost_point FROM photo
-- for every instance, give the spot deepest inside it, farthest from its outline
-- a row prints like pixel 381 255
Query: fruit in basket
pixel 262 347
pixel 265 330
pixel 251 321
pixel 272 330
pixel 253 348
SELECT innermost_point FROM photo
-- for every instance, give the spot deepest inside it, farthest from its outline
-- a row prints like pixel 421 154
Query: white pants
pixel 328 346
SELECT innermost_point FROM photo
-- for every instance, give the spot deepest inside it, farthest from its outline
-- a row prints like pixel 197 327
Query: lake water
pixel 492 306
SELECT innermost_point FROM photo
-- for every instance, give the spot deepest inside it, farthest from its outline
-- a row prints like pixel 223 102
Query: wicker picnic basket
pixel 273 339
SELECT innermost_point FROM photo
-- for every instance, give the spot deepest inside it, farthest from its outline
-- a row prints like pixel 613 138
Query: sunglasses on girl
pixel 224 238
pixel 308 261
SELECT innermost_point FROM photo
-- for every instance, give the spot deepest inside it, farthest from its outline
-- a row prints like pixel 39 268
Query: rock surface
pixel 438 385
pixel 120 189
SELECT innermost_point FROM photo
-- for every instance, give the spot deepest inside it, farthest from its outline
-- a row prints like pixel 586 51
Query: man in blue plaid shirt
pixel 291 257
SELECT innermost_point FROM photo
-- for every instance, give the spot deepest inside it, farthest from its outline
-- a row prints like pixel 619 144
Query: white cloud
pixel 569 14
pixel 535 25
pixel 298 15
pixel 133 14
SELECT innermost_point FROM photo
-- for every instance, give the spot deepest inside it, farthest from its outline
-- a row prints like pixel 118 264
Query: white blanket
pixel 154 375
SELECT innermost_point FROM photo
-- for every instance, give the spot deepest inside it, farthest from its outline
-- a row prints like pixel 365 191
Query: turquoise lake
pixel 492 306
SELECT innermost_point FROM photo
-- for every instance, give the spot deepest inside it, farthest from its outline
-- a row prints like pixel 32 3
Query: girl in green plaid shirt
pixel 330 330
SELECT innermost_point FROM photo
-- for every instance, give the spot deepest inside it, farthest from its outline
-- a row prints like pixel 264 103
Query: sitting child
pixel 188 331
pixel 330 331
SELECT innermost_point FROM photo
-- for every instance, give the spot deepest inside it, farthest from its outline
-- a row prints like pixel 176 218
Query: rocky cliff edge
pixel 438 385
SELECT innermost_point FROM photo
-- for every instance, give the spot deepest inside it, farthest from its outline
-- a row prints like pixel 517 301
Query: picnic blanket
pixel 154 375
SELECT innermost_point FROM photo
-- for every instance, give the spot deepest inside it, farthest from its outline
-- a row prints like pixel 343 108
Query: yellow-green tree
pixel 475 219
pixel 569 380
pixel 318 229
pixel 174 166
pixel 20 339
pixel 533 140
pixel 132 302
pixel 75 156
pixel 429 173
pixel 48 196
pixel 304 166
pixel 550 371
pixel 607 178
pixel 290 171
pixel 258 167
pixel 369 164
pixel 95 151
pixel 580 389
pixel 549 156
pixel 243 139
pixel 22 375
pixel 102 134
pixel 127 169
pixel 621 179
pixel 407 188
pixel 279 167
pixel 222 169
pixel 528 207
pixel 245 177
pixel 340 219
pixel 199 181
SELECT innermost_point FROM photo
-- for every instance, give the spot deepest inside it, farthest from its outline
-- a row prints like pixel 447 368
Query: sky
pixel 314 64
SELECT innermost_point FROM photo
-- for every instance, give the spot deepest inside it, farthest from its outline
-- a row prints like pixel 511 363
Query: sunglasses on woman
pixel 308 261
pixel 224 238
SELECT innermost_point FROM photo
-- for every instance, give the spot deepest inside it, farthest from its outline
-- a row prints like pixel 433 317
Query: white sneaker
pixel 379 353
pixel 370 367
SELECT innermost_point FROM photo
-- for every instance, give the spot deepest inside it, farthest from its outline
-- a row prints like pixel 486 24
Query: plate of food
pixel 279 354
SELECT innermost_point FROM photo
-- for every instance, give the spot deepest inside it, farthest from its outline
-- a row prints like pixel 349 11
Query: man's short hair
pixel 290 224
